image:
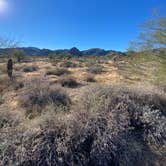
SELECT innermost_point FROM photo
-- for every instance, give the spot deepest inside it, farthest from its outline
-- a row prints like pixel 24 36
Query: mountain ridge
pixel 34 51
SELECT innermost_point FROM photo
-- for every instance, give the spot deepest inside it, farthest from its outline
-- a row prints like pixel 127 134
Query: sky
pixel 57 24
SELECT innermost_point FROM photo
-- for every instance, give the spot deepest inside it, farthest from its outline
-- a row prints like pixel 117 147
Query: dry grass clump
pixel 8 119
pixel 68 81
pixel 40 95
pixel 58 72
pixel 17 85
pixel 10 139
pixel 8 85
pixel 2 69
pixel 89 78
pixel 68 64
pixel 29 69
pixel 96 69
pixel 3 82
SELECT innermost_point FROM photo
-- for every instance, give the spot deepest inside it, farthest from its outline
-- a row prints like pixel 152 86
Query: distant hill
pixel 33 51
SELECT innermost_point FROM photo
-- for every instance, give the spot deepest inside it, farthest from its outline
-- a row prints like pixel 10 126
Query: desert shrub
pixel 19 67
pixel 8 119
pixel 19 55
pixel 109 125
pixel 58 72
pixel 89 78
pixel 3 69
pixel 29 69
pixel 3 83
pixel 8 85
pixel 96 69
pixel 67 64
pixel 17 85
pixel 69 82
pixel 134 118
pixel 40 95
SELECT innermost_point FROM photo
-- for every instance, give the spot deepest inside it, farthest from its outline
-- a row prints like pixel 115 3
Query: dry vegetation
pixel 84 111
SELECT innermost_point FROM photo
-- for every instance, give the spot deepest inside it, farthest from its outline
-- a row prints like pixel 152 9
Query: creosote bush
pixel 58 72
pixel 40 95
pixel 29 69
pixel 68 81
pixel 96 69
pixel 68 64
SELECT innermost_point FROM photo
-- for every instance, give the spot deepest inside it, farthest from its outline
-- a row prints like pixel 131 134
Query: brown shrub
pixel 3 68
pixel 68 81
pixel 68 64
pixel 40 95
pixel 89 78
pixel 8 119
pixel 109 125
pixel 96 69
pixel 58 72
pixel 29 69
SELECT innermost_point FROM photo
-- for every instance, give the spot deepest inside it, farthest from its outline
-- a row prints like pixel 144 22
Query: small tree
pixel 153 35
pixel 7 43
pixel 19 55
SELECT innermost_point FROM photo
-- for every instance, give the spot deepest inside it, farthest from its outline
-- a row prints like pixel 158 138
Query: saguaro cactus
pixel 10 68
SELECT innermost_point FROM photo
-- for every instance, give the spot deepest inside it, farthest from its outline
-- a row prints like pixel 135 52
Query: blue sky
pixel 109 24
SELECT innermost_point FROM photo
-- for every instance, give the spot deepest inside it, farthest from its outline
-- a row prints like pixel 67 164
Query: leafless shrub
pixel 41 95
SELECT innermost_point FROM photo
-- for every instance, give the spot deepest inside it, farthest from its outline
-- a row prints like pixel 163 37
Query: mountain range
pixel 33 51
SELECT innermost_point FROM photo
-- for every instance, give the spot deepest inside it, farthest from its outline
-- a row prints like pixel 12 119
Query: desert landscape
pixel 77 110
pixel 82 83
